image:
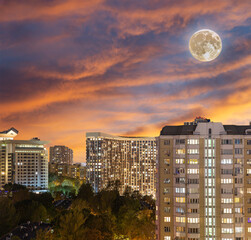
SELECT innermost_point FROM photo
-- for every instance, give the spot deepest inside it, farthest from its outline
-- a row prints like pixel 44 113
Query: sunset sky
pixel 119 66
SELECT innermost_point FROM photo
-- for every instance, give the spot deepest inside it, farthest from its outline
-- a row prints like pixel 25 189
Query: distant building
pixel 131 160
pixel 23 162
pixel 75 170
pixel 61 154
pixel 204 182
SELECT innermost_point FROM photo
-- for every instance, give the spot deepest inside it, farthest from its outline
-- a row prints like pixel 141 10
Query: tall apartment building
pixel 75 170
pixel 130 160
pixel 23 162
pixel 61 154
pixel 204 182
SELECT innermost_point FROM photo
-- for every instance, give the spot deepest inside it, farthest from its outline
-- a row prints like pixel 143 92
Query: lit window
pixel 192 141
pixel 192 161
pixel 193 151
pixel 193 220
pixel 180 219
pixel 180 200
pixel 167 219
pixel 180 190
pixel 192 171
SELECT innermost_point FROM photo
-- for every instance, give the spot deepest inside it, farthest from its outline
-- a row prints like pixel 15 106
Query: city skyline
pixel 71 67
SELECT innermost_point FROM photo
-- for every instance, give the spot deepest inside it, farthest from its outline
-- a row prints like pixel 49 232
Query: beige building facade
pixel 23 162
pixel 131 160
pixel 204 182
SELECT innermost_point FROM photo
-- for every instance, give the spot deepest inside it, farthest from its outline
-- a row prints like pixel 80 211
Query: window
pixel 226 151
pixel 180 210
pixel 180 141
pixel 238 151
pixel 180 219
pixel 166 142
pixel 193 200
pixel 226 161
pixel 193 230
pixel 226 180
pixel 167 180
pixel 167 229
pixel 167 209
pixel 227 230
pixel 180 229
pixel 227 220
pixel 238 141
pixel 180 200
pixel 179 190
pixel 179 161
pixel 167 219
pixel 167 161
pixel 248 190
pixel 180 180
pixel 248 171
pixel 193 190
pixel 192 161
pixel 249 152
pixel 226 141
pixel 193 181
pixel 248 142
pixel 166 190
pixel 238 210
pixel 193 151
pixel 192 141
pixel 180 151
pixel 167 238
pixel 193 220
pixel 167 200
pixel 238 229
pixel 226 200
pixel 227 210
pixel 192 171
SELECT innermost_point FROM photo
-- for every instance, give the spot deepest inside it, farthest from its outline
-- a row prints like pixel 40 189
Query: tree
pixel 44 235
pixel 15 238
pixel 31 211
pixel 8 216
pixel 71 226
pixel 86 192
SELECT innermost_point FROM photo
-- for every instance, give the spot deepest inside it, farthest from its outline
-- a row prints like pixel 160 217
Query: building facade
pixel 61 154
pixel 204 182
pixel 75 170
pixel 23 162
pixel 130 160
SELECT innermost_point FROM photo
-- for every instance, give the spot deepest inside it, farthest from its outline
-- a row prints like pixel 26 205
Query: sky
pixel 68 67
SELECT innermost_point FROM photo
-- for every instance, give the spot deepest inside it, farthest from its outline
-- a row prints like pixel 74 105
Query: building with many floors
pixel 61 154
pixel 75 170
pixel 23 162
pixel 204 182
pixel 131 160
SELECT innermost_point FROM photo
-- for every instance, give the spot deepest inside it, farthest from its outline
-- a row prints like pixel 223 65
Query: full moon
pixel 205 45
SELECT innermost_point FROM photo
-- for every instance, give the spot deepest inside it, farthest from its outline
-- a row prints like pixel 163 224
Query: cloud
pixel 68 67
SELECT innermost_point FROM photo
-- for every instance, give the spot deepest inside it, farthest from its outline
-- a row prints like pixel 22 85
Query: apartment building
pixel 23 162
pixel 61 154
pixel 75 170
pixel 204 182
pixel 131 160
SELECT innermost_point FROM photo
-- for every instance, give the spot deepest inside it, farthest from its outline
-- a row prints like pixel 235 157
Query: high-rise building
pixel 75 170
pixel 131 160
pixel 61 154
pixel 23 162
pixel 204 182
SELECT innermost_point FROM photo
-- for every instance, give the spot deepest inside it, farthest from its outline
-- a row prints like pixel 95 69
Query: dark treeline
pixel 106 215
